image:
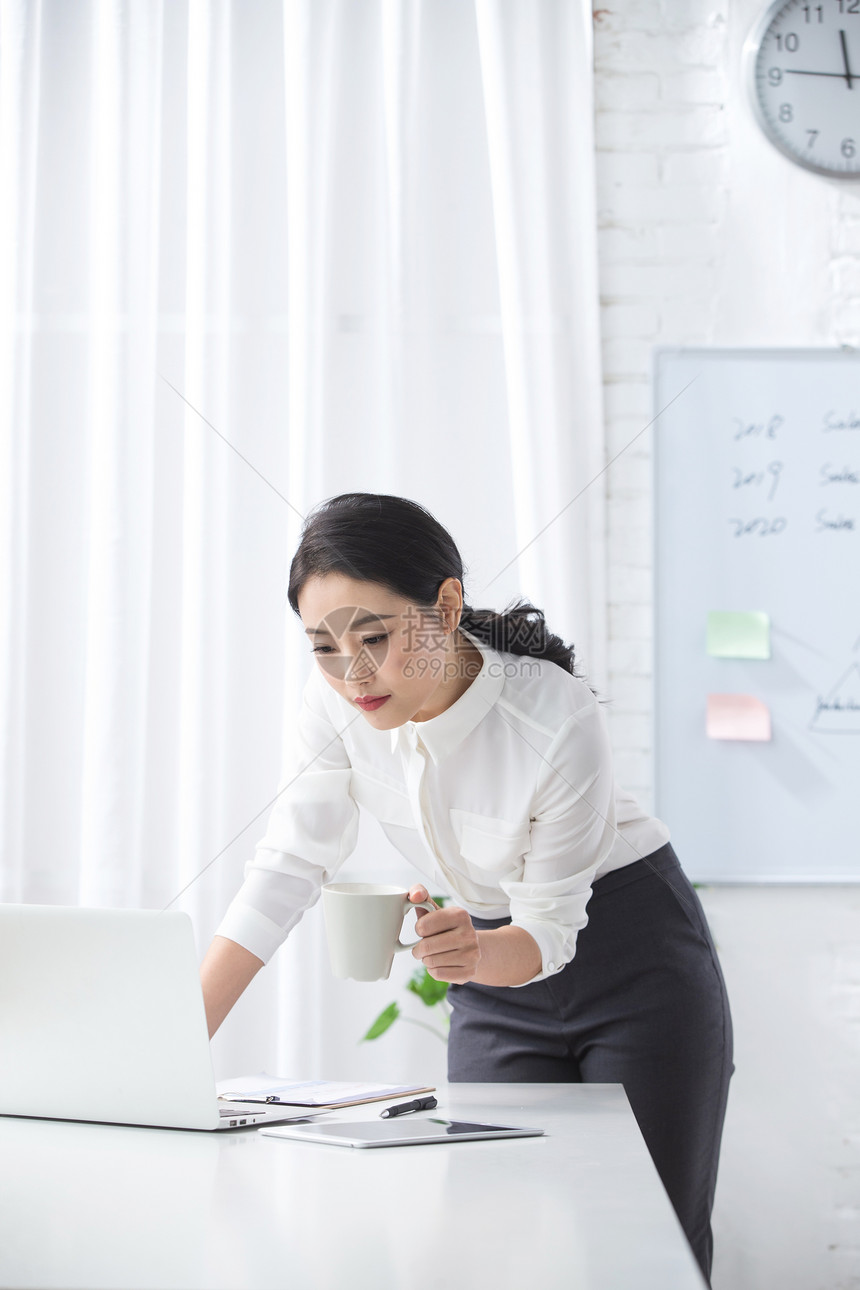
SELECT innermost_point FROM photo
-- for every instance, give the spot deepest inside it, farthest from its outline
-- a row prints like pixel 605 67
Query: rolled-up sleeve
pixel 572 832
pixel 311 831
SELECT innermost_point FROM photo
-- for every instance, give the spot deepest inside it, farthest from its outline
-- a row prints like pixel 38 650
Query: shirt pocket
pixel 490 846
pixel 386 803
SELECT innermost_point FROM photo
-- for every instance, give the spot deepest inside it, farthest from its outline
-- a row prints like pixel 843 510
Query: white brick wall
pixel 707 236
pixel 661 136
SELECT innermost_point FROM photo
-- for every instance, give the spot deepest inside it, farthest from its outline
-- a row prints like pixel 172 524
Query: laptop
pixel 102 1018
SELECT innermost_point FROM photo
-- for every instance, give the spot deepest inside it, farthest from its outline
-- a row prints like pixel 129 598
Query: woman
pixel 485 757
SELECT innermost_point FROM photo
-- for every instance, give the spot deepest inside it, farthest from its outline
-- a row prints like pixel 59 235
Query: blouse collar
pixel 441 735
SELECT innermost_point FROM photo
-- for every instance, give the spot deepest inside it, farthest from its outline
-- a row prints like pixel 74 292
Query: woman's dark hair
pixel 398 544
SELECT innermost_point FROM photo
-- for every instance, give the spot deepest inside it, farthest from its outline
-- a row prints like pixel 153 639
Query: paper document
pixel 329 1093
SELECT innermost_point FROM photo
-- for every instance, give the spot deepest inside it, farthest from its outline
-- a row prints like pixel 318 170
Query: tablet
pixel 400 1132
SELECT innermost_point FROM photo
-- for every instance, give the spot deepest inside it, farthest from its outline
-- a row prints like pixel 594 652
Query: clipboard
pixel 317 1095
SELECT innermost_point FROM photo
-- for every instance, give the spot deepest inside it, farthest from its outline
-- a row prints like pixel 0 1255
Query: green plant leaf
pixel 386 1018
pixel 428 989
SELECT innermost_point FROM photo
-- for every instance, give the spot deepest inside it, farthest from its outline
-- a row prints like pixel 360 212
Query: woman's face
pixel 391 660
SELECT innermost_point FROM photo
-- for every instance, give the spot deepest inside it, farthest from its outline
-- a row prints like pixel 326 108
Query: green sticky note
pixel 739 635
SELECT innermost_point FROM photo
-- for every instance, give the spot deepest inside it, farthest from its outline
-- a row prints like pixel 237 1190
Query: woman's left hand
pixel 448 947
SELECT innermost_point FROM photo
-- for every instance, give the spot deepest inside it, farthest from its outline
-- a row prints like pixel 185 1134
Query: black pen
pixel 403 1108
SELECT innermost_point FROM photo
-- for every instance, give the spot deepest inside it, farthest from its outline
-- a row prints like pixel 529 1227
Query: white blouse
pixel 507 800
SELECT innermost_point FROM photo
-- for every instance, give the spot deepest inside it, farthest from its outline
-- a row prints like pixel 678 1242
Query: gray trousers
pixel 643 1004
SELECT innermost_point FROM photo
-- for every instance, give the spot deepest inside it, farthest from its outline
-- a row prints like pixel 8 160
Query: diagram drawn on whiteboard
pixel 838 713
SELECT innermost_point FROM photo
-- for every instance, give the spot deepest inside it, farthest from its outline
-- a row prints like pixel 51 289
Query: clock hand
pixel 847 76
pixel 844 43
pixel 795 71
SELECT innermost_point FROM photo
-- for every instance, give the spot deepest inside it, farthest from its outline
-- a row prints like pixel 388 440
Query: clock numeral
pixel 809 11
pixel 849 6
pixel 774 75
pixel 848 148
pixel 786 112
pixel 791 41
pixel 813 135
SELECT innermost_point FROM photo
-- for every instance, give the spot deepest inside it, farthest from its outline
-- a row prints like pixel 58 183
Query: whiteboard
pixel 757 509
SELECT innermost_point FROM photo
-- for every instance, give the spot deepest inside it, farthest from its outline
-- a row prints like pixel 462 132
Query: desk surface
pixel 100 1206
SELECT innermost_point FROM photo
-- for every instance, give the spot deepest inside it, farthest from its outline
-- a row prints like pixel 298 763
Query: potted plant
pixel 432 993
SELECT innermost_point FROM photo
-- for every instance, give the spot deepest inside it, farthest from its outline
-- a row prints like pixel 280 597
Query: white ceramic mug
pixel 363 922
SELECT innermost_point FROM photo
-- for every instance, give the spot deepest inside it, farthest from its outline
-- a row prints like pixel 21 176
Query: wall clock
pixel 802 69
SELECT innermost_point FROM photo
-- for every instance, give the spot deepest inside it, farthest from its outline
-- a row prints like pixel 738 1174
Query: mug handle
pixel 414 904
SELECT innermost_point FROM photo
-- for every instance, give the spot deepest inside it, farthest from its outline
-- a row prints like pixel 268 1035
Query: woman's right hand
pixel 449 947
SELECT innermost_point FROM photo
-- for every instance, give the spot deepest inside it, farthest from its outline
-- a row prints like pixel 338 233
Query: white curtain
pixel 253 255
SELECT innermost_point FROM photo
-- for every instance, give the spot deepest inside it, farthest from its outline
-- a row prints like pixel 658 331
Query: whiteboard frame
pixel 660 354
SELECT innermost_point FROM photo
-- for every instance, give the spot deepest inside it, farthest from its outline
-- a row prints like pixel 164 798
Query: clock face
pixel 803 71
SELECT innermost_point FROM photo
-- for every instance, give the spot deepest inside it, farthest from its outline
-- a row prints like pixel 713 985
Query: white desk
pixel 99 1206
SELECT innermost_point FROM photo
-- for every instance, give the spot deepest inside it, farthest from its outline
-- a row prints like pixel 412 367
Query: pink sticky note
pixel 737 716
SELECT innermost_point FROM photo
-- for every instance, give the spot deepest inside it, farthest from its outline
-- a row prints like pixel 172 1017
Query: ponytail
pixel 398 544
pixel 519 629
